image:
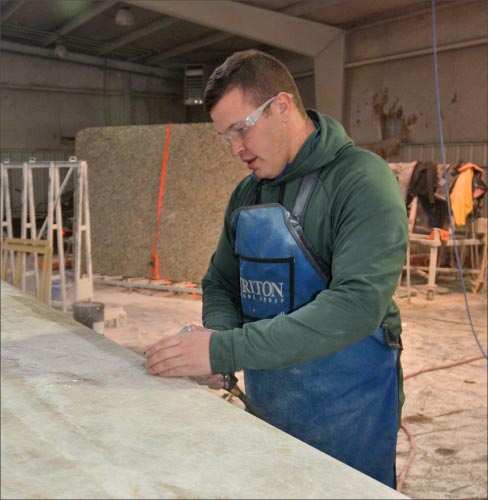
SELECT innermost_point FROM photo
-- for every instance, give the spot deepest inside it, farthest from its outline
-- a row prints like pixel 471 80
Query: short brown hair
pixel 259 76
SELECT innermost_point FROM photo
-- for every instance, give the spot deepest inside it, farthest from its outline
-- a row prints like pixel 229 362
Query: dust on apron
pixel 345 404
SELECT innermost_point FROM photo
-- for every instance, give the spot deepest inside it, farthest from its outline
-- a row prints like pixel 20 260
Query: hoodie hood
pixel 320 148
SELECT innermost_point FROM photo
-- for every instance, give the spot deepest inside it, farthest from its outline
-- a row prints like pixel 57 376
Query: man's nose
pixel 236 146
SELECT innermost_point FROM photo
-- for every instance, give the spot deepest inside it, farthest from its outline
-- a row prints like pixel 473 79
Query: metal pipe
pixel 415 12
pixel 40 164
pixel 92 11
pixel 420 52
pixel 126 284
pixel 188 47
pixel 78 58
pixel 404 55
pixel 11 8
pixel 81 91
pixel 157 25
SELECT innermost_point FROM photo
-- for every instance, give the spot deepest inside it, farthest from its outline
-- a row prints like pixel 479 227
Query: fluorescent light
pixel 60 50
pixel 124 17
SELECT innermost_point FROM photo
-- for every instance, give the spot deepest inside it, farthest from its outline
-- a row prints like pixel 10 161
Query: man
pixel 298 293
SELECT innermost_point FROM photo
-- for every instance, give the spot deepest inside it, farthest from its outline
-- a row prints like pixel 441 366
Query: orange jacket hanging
pixel 461 196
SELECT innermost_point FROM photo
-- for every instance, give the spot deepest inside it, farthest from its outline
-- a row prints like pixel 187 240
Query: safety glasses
pixel 237 130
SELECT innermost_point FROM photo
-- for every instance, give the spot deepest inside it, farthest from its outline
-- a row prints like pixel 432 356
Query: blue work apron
pixel 345 404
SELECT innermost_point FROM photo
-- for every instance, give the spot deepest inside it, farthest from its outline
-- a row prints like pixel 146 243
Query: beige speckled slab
pixel 124 171
pixel 82 419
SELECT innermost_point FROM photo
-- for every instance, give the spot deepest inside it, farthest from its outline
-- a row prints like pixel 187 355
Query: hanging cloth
pixel 461 196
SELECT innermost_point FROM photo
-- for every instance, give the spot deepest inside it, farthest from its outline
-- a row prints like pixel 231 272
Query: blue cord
pixel 443 158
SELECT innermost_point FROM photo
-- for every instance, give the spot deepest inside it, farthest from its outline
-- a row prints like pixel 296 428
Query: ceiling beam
pixel 172 83
pixel 269 27
pixel 188 47
pixel 326 44
pixel 11 8
pixel 307 6
pixel 295 9
pixel 158 25
pixel 94 10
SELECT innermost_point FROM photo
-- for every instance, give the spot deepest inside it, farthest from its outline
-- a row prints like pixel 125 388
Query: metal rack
pixel 52 226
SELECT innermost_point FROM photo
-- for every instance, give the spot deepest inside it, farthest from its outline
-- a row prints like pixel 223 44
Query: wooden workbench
pixel 82 419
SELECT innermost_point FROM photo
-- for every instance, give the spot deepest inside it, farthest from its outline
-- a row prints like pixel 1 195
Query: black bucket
pixel 90 314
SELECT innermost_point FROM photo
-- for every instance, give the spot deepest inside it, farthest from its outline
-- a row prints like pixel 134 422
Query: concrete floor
pixel 445 410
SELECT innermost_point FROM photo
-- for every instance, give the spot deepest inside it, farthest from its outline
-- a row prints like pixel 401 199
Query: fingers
pixel 167 366
pixel 215 382
pixel 180 355
pixel 201 380
pixel 164 357
pixel 165 343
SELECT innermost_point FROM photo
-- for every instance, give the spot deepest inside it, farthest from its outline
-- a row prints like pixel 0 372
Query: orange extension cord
pixel 411 439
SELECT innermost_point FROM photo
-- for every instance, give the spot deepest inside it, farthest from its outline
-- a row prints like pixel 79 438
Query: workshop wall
pixel 395 100
pixel 46 102
pixel 124 176
pixel 390 105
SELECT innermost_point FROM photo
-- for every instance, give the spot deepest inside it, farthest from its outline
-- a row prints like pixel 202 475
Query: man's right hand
pixel 215 382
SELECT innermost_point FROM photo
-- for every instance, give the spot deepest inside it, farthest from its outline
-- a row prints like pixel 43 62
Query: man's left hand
pixel 183 355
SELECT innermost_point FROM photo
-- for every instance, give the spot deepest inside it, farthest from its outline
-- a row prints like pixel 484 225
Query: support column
pixel 329 78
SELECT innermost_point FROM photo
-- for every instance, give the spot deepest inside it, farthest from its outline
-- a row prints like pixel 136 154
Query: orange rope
pixel 154 262
pixel 425 370
pixel 411 453
pixel 189 284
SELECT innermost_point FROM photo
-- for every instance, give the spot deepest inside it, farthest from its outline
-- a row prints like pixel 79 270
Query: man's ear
pixel 284 104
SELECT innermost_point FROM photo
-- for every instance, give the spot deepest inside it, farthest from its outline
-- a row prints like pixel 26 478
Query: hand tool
pixel 230 384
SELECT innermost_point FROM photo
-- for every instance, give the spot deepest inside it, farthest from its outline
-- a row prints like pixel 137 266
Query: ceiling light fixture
pixel 124 17
pixel 60 50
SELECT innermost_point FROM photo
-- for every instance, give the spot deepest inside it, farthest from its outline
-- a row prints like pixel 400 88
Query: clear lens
pixel 236 132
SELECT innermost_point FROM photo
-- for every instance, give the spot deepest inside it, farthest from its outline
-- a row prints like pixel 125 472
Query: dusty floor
pixel 445 410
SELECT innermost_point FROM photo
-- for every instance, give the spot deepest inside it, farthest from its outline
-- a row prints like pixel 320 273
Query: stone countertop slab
pixel 124 173
pixel 82 419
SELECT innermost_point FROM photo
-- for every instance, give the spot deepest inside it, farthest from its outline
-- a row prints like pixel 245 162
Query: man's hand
pixel 215 382
pixel 181 355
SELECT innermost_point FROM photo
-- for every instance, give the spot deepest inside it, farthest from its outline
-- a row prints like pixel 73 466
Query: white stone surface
pixel 82 419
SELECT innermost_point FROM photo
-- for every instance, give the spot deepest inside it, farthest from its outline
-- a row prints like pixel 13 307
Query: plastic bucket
pixel 90 314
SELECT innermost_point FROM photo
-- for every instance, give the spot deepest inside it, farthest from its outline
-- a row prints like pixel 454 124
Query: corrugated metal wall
pixel 21 155
pixel 454 152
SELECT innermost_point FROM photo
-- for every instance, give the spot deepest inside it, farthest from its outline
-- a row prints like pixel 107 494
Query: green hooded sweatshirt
pixel 356 220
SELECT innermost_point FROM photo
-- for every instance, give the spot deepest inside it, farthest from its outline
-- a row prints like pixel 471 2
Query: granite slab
pixel 124 173
pixel 82 419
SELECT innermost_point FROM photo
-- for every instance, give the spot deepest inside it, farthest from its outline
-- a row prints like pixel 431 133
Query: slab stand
pixel 435 244
pixel 52 226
